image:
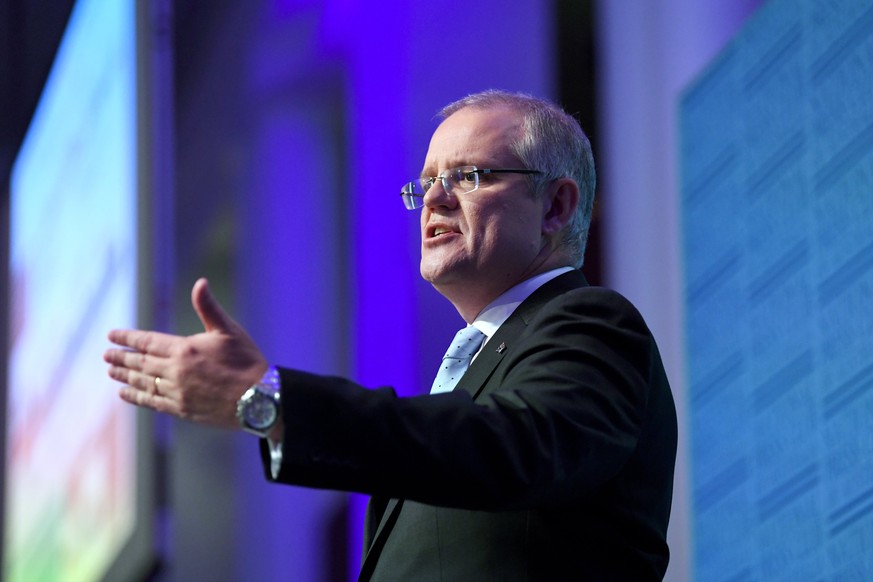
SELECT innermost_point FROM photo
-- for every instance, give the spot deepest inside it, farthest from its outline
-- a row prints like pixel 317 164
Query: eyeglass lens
pixel 455 181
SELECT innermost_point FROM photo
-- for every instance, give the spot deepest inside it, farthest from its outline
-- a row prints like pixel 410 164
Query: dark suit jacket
pixel 551 460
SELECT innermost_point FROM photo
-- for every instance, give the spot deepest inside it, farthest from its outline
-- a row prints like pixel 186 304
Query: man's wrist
pixel 258 409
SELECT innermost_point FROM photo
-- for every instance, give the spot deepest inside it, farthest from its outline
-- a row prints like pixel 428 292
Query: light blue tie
pixel 457 359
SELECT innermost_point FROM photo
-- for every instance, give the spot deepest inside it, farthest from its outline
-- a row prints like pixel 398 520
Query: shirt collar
pixel 499 310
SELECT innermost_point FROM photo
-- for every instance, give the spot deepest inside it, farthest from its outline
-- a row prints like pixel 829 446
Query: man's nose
pixel 437 195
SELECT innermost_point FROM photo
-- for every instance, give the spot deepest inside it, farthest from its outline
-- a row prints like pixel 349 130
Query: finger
pixel 119 357
pixel 145 400
pixel 151 365
pixel 208 309
pixel 147 342
pixel 134 379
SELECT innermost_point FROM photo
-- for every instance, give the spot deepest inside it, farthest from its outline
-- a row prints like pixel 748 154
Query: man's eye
pixel 468 176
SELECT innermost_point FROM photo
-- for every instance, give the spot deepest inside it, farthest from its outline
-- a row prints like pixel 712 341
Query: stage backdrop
pixel 777 218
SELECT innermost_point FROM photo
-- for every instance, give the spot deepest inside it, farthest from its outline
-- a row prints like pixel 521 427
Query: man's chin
pixel 437 275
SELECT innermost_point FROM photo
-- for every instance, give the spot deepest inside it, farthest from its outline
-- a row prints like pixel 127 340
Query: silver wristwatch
pixel 258 408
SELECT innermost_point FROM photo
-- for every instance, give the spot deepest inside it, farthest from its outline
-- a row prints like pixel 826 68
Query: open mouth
pixel 437 230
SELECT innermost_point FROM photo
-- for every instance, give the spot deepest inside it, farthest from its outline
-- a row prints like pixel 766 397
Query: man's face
pixel 486 241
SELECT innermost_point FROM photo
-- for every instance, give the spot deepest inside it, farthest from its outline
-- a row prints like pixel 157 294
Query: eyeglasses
pixel 462 180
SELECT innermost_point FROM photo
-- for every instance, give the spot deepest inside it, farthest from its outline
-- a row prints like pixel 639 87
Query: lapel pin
pixel 501 347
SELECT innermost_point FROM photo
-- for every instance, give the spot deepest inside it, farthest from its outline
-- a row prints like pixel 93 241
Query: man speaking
pixel 545 449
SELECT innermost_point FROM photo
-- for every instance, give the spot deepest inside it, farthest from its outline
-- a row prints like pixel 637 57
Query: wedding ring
pixel 157 383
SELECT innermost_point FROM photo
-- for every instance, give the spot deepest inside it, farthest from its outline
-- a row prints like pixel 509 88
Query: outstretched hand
pixel 198 377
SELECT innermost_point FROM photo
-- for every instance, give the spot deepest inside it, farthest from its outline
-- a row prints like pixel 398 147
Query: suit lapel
pixel 483 366
pixel 501 342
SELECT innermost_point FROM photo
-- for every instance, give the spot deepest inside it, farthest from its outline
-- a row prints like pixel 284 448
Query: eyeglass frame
pixel 410 198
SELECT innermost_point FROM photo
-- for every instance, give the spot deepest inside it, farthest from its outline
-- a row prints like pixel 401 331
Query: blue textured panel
pixel 777 220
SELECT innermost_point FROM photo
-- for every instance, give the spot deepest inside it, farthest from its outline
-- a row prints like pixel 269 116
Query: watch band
pixel 271 379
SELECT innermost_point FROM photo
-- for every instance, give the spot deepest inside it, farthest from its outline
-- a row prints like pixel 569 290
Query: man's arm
pixel 558 418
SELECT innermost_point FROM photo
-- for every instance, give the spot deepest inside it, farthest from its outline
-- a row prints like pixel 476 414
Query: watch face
pixel 260 411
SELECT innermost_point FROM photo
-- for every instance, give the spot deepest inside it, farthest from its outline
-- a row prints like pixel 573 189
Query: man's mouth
pixel 437 230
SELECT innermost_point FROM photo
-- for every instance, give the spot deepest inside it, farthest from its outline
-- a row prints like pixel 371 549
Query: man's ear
pixel 559 205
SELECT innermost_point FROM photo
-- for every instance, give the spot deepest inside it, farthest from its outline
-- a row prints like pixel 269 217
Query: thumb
pixel 208 309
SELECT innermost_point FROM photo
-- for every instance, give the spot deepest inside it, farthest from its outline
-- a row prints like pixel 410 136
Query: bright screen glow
pixel 70 490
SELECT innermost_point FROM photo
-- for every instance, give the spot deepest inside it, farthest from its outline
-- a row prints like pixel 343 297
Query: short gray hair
pixel 552 141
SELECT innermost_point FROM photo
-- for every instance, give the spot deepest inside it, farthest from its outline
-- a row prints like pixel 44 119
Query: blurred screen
pixel 71 487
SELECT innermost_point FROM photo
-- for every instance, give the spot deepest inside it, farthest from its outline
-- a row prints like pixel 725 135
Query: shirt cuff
pixel 275 457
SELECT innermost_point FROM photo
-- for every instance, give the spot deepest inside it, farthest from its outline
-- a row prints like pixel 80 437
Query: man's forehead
pixel 482 119
pixel 474 136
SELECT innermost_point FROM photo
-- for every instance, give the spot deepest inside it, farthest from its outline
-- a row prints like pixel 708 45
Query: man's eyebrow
pixel 425 173
pixel 455 164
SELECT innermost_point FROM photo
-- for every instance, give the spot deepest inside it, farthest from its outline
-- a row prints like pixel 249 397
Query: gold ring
pixel 157 383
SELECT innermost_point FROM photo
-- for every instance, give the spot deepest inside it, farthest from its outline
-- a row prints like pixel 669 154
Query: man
pixel 553 456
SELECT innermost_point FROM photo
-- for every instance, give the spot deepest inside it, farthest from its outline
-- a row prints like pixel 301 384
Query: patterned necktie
pixel 457 359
